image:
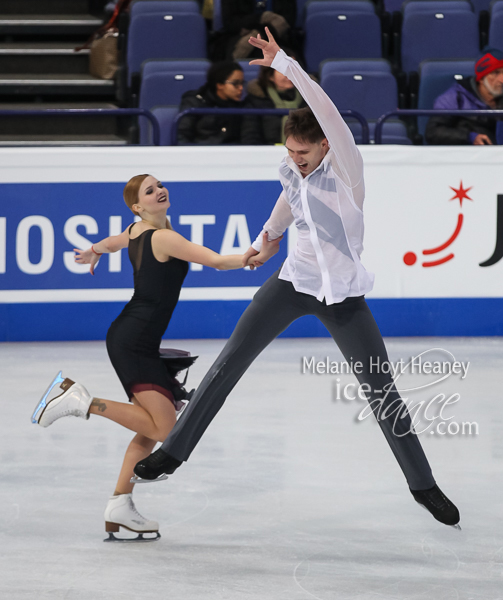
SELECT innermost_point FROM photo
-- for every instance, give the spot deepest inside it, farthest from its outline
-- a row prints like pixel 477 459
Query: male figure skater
pixel 323 192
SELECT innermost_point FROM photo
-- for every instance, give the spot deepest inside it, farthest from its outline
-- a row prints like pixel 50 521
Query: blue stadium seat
pixel 479 5
pixel 165 116
pixel 165 81
pixel 394 132
pixel 323 6
pixel 411 7
pixel 301 13
pixel 341 35
pixel 218 22
pixel 367 87
pixel 496 27
pixel 161 35
pixel 438 35
pixel 352 65
pixel 393 5
pixel 142 7
pixel 436 77
pixel 496 6
pixel 473 5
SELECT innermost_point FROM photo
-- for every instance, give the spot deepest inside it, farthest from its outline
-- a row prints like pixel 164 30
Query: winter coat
pixel 451 130
pixel 262 130
pixel 208 129
pixel 240 14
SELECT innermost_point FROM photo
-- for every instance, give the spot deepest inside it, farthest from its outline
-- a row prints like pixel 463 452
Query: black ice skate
pixel 437 503
pixel 155 467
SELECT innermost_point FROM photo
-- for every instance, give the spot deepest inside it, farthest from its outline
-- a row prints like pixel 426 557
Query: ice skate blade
pixel 43 402
pixel 457 526
pixel 136 479
pixel 111 538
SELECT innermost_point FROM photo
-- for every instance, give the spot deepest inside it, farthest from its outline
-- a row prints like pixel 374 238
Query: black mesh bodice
pixel 134 338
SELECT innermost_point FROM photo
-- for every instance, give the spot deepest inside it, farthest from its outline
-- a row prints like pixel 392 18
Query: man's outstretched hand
pixel 269 48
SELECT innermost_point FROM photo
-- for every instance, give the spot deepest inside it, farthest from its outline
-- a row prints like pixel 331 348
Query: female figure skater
pixel 160 259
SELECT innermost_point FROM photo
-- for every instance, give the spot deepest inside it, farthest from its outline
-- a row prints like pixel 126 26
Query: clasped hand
pixel 254 259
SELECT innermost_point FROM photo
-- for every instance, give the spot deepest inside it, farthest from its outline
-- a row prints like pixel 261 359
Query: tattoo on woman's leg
pixel 101 406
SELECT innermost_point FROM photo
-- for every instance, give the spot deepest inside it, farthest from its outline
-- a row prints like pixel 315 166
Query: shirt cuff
pixel 257 244
pixel 472 136
pixel 281 62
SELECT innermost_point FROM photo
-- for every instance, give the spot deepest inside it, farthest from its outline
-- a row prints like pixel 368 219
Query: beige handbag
pixel 104 56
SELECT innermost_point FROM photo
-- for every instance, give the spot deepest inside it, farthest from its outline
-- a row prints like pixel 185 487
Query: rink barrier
pixel 409 112
pixel 91 112
pixel 57 199
pixel 259 112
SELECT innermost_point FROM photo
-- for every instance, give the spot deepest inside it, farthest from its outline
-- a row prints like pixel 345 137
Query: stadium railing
pixel 428 113
pixel 259 112
pixel 91 112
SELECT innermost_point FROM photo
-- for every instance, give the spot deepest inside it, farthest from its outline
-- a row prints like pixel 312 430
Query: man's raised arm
pixel 338 133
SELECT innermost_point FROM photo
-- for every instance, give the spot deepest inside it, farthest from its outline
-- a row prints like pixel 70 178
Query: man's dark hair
pixel 220 72
pixel 303 126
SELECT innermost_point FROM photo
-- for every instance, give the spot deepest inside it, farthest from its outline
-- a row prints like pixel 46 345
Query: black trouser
pixel 351 324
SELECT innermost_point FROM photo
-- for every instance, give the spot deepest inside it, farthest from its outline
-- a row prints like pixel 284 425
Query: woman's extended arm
pixel 167 243
pixel 91 256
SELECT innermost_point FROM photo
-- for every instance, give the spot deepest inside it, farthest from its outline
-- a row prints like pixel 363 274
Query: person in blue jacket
pixel 481 92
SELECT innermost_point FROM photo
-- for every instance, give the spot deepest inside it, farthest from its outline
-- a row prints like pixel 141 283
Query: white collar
pixel 323 164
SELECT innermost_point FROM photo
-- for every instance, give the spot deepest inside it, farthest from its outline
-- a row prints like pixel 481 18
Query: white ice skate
pixel 74 401
pixel 121 512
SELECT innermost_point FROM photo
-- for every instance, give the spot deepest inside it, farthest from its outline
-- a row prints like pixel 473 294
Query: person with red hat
pixel 483 91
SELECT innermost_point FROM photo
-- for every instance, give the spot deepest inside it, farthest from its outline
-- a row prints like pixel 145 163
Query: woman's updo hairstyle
pixel 132 190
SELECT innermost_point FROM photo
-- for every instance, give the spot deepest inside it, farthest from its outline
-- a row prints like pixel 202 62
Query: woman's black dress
pixel 134 338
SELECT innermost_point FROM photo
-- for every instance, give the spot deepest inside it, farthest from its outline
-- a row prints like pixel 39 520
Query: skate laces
pixel 436 498
pixel 157 458
pixel 135 510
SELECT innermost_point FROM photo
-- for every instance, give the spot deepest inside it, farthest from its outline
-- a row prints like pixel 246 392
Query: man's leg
pixel 355 331
pixel 271 311
pixel 353 328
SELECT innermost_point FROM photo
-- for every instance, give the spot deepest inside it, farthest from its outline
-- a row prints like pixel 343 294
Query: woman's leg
pixel 161 413
pixel 138 449
pixel 153 415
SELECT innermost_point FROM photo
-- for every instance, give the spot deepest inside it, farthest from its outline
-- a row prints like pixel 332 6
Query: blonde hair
pixel 132 191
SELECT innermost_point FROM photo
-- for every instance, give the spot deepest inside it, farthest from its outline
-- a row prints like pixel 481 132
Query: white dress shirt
pixel 326 205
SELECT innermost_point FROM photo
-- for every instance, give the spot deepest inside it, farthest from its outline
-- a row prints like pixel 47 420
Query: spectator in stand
pixel 483 91
pixel 245 18
pixel 270 90
pixel 223 89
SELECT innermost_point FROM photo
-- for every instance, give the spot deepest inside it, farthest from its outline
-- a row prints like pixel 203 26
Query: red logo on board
pixel 410 258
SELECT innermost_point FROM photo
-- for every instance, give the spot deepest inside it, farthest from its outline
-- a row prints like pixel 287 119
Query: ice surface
pixel 287 497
